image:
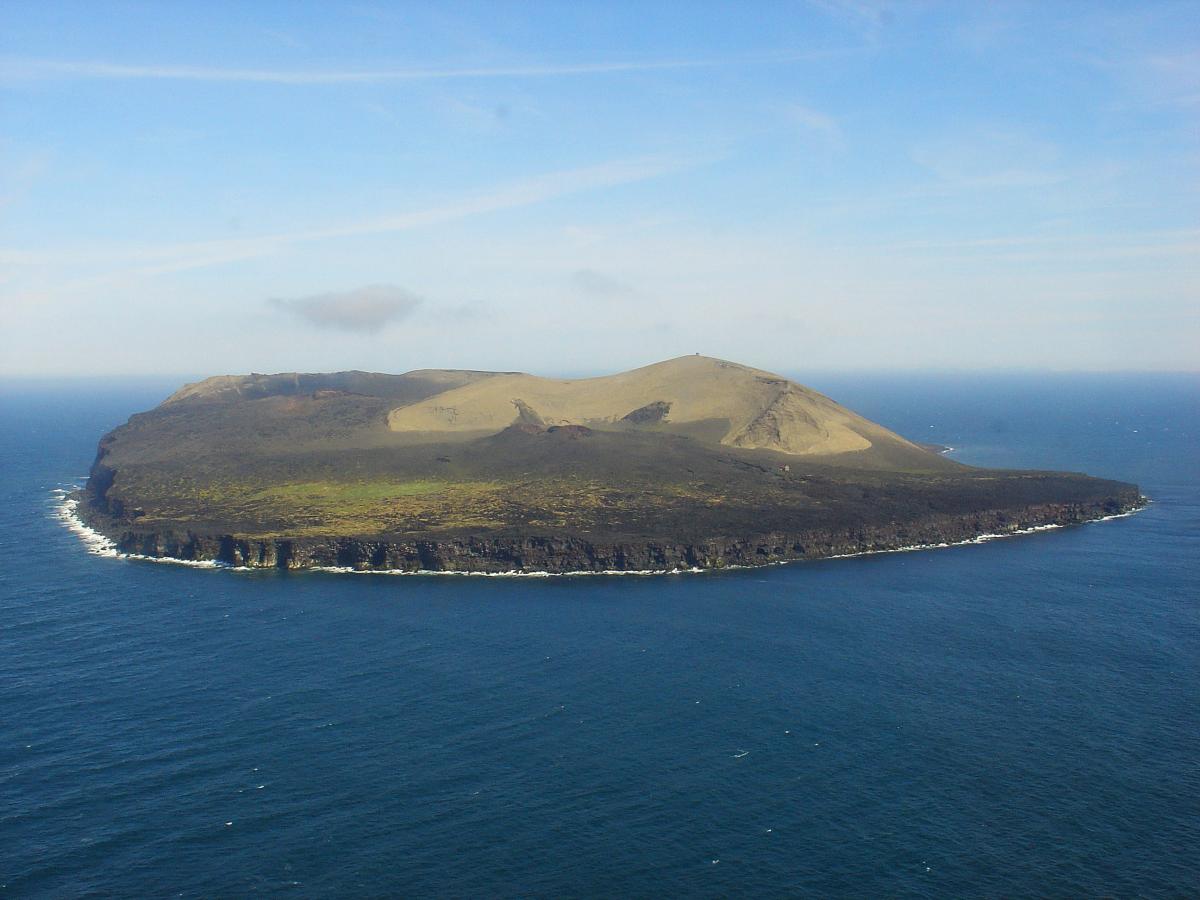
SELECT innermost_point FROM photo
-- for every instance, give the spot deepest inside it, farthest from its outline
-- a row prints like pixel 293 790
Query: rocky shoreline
pixel 561 554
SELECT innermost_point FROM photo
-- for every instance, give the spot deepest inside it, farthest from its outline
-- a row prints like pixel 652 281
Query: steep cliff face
pixel 560 554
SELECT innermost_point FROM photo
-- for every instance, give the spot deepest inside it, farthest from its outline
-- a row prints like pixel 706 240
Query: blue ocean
pixel 1014 718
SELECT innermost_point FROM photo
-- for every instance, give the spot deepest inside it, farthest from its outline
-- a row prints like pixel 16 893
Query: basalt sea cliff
pixel 562 555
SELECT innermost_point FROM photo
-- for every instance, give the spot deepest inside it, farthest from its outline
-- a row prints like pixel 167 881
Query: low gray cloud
pixel 472 310
pixel 366 310
pixel 597 284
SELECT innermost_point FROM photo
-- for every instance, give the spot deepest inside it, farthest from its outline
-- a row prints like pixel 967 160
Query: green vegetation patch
pixel 360 507
pixel 324 506
pixel 352 492
pixel 315 506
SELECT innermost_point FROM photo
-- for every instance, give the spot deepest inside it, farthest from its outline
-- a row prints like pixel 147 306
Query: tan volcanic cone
pixel 761 410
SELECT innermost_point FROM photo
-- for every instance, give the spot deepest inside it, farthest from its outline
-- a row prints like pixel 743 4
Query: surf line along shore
pixel 98 544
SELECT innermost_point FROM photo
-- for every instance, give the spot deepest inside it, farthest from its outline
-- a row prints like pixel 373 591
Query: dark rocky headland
pixel 690 464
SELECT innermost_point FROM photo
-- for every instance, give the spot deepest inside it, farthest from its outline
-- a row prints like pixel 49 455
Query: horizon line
pixel 591 373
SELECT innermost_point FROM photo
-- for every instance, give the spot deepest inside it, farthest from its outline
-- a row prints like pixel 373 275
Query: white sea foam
pixel 510 573
pixel 989 536
pixel 1146 501
pixel 66 511
pixel 97 544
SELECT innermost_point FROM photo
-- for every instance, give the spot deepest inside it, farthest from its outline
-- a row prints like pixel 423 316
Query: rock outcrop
pixel 564 554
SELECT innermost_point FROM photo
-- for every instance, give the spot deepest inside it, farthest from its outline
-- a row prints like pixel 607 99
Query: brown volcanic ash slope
pixel 741 407
pixel 690 462
pixel 408 387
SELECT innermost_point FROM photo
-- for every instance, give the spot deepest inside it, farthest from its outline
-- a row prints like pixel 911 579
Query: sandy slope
pixel 752 408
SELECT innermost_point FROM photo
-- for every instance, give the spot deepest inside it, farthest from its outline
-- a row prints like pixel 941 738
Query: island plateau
pixel 692 463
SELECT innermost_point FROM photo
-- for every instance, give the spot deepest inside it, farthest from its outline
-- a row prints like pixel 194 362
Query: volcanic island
pixel 692 463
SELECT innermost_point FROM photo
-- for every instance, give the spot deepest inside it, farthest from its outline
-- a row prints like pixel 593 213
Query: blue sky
pixel 570 188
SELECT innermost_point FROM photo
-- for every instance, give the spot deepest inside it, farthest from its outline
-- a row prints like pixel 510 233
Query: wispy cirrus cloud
pixel 992 156
pixel 14 69
pixel 870 14
pixel 18 174
pixel 286 38
pixel 1176 243
pixel 143 260
pixel 1177 77
pixel 813 120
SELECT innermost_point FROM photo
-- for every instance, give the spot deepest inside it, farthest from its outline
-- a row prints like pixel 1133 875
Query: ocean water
pixel 1020 717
